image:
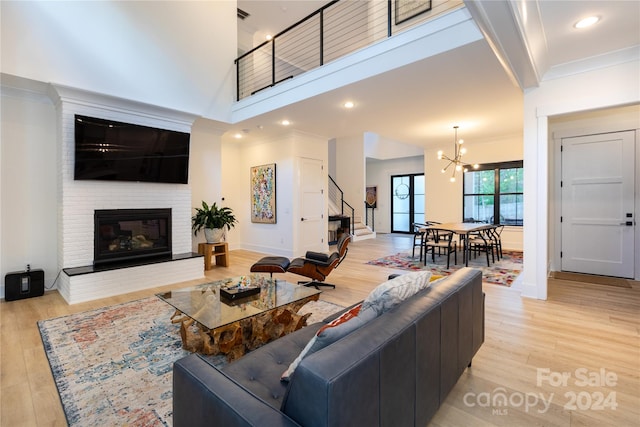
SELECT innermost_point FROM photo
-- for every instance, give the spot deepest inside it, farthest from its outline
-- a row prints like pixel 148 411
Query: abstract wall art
pixel 263 194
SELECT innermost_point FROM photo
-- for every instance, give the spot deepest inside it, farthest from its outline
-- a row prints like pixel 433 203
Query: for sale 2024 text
pixel 588 380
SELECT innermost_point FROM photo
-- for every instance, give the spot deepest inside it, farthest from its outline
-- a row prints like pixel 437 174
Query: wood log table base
pixel 237 338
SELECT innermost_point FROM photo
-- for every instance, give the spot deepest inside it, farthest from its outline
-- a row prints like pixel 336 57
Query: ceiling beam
pixel 515 33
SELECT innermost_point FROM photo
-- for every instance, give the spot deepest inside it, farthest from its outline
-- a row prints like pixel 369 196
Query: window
pixel 493 193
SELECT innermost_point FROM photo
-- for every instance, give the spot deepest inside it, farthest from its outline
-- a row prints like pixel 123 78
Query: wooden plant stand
pixel 218 250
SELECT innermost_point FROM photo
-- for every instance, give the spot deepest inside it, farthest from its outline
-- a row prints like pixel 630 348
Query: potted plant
pixel 214 220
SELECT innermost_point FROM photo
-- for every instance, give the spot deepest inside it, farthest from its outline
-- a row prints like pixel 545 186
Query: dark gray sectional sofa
pixel 396 370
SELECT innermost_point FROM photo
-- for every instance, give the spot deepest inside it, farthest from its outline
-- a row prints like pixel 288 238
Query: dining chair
pixel 443 241
pixel 496 234
pixel 462 237
pixel 443 234
pixel 418 237
pixel 482 241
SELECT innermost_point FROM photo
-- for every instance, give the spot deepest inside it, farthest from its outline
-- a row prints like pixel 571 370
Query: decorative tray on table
pixel 242 289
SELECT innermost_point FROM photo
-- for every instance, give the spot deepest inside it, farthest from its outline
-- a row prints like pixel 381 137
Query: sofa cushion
pixel 260 369
pixel 348 322
pixel 392 292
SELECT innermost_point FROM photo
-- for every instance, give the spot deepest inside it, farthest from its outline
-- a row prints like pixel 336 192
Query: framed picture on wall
pixel 263 194
pixel 372 197
pixel 407 9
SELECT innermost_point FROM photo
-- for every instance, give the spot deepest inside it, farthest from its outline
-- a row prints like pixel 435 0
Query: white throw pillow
pixel 392 292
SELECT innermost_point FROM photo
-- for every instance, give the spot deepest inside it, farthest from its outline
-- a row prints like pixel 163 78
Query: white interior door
pixel 312 221
pixel 598 217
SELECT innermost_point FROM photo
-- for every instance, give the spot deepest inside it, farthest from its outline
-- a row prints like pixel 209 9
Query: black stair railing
pixel 333 31
pixel 370 216
pixel 336 195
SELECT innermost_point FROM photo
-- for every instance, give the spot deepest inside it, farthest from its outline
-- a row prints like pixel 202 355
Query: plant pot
pixel 214 235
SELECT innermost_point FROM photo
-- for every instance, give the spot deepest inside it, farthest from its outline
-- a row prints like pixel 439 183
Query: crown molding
pixel 609 59
pixel 61 93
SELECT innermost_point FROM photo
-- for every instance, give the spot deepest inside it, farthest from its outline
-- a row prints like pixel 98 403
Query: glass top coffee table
pixel 235 315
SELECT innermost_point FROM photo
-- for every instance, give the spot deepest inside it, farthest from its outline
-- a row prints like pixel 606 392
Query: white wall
pixel 379 174
pixel 285 151
pixel 601 88
pixel 177 55
pixel 382 148
pixel 205 170
pixel 28 184
pixel 350 171
pixel 444 198
pixel 332 158
pixel 276 239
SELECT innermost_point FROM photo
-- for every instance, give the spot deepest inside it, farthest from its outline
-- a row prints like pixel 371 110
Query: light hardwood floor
pixel 588 333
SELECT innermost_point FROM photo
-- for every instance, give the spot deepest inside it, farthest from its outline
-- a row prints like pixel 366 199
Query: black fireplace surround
pixel 125 235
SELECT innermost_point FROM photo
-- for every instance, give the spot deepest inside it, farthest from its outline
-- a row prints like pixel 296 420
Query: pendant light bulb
pixel 456 161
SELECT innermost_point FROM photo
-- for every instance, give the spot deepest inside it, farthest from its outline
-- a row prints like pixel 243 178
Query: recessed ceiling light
pixel 587 22
pixel 349 104
pixel 285 123
pixel 237 136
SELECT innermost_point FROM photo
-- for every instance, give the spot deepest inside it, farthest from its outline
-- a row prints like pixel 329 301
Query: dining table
pixel 461 229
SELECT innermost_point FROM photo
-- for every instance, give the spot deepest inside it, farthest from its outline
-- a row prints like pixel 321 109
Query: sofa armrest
pixel 203 395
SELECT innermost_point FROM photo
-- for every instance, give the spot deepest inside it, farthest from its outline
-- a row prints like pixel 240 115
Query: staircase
pixel 338 207
pixel 362 231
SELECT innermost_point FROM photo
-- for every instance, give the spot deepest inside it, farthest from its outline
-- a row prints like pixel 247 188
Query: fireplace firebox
pixel 125 235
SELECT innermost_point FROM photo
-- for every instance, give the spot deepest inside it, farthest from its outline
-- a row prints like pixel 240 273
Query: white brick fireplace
pixel 77 201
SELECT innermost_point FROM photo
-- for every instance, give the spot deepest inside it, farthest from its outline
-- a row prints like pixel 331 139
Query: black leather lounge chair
pixel 317 266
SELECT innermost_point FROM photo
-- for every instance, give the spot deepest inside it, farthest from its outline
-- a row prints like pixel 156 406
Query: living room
pixel 216 170
pixel 32 212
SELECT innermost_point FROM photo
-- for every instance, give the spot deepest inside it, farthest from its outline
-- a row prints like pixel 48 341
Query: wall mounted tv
pixel 115 151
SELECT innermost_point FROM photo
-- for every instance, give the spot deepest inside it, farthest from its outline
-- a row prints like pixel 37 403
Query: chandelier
pixel 458 164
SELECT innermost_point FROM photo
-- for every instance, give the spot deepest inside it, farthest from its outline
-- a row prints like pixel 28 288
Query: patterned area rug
pixel 503 272
pixel 113 366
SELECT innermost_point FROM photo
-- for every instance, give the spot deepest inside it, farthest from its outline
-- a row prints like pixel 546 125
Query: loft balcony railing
pixel 337 29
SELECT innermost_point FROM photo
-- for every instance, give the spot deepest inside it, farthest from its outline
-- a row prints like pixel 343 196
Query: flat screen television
pixel 116 151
